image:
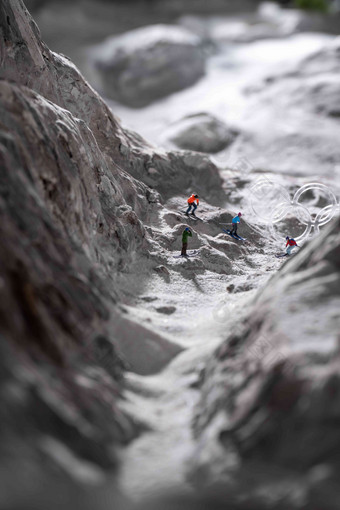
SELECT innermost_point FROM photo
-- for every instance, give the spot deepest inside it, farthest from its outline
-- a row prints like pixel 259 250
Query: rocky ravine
pixel 90 221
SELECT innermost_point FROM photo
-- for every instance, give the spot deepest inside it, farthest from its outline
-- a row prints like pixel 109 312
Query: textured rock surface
pixel 148 63
pixel 59 303
pixel 201 132
pixel 271 393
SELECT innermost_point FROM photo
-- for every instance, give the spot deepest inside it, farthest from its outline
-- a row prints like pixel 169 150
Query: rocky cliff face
pixel 61 374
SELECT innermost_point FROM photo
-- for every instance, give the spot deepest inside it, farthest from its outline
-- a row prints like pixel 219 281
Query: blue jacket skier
pixel 234 222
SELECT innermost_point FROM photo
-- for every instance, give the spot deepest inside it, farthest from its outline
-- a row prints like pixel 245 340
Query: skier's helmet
pixel 196 196
pixel 287 237
pixel 239 214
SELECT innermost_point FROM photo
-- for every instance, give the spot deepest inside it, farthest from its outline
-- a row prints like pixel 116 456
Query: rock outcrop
pixel 201 132
pixel 148 63
pixel 270 396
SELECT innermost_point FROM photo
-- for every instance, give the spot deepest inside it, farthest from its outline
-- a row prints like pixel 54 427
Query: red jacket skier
pixel 290 244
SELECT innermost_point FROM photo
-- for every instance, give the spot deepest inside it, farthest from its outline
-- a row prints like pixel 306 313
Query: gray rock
pixel 148 63
pixel 162 270
pixel 180 172
pixel 201 132
pixel 145 351
pixel 167 310
pixel 149 299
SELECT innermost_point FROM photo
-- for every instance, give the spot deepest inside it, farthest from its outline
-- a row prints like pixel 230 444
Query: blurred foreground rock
pixel 148 63
pixel 271 393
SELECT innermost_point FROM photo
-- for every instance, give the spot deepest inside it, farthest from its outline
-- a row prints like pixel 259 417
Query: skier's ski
pixel 280 255
pixel 228 232
pixel 240 237
pixel 191 217
pixel 234 236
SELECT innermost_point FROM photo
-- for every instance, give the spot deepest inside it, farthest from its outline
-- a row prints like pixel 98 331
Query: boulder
pixel 148 63
pixel 167 310
pixel 201 132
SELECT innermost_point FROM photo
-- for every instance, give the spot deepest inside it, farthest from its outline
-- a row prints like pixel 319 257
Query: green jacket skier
pixel 186 233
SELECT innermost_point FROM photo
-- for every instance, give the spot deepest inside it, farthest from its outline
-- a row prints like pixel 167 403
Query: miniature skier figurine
pixel 290 245
pixel 235 221
pixel 186 233
pixel 191 203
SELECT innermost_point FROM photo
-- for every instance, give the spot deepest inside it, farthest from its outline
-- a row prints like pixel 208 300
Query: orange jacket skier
pixel 191 202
